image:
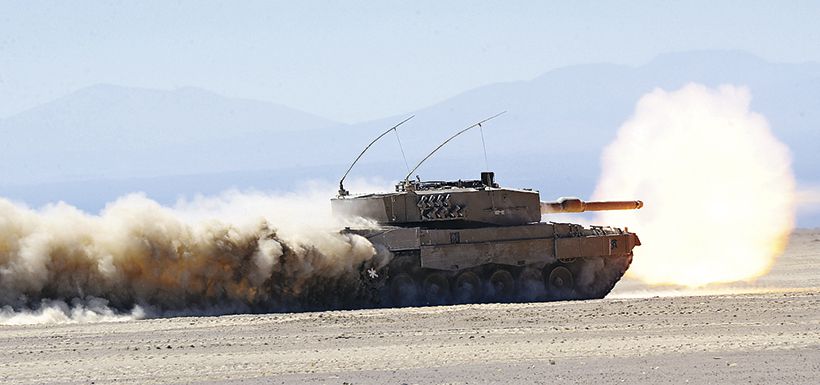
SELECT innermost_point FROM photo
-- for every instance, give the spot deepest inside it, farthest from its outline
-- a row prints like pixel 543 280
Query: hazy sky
pixel 354 61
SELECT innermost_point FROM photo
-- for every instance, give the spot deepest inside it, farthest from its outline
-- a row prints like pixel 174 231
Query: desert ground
pixel 767 331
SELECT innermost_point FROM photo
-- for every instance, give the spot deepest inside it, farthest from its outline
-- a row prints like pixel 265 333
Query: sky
pixel 355 61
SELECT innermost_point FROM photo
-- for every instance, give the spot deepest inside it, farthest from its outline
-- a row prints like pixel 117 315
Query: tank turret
pixel 481 202
pixel 441 204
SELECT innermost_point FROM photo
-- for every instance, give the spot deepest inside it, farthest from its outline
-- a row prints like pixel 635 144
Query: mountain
pixel 550 138
pixel 113 131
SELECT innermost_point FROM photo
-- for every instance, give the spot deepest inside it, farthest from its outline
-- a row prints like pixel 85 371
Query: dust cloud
pixel 237 252
pixel 718 187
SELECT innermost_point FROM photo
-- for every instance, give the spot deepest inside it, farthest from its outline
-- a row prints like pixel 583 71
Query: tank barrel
pixel 574 205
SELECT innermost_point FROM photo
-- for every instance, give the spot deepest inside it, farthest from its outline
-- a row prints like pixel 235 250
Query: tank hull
pixel 530 262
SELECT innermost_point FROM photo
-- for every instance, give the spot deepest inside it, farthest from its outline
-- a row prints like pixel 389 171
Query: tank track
pixel 403 283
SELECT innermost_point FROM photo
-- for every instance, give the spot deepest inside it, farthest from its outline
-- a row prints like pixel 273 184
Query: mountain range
pixel 100 142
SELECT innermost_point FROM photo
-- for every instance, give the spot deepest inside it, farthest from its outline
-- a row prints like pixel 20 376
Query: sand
pixel 762 332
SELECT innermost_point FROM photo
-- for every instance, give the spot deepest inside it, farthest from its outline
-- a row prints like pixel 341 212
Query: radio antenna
pixel 406 166
pixel 484 145
pixel 342 191
pixel 407 178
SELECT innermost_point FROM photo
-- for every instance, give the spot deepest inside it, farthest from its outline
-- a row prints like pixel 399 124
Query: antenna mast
pixel 342 191
pixel 407 178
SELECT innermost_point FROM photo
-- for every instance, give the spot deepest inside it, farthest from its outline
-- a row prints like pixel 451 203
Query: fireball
pixel 718 187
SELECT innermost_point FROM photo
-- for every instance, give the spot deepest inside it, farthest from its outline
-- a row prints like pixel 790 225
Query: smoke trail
pixel 718 186
pixel 232 253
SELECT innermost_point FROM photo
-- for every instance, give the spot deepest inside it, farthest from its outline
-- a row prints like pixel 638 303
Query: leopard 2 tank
pixel 472 241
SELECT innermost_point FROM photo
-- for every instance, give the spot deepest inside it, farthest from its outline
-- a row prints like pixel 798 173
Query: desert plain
pixel 761 332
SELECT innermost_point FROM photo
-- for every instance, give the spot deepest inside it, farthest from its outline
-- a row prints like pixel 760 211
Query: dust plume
pixel 238 252
pixel 60 312
pixel 718 187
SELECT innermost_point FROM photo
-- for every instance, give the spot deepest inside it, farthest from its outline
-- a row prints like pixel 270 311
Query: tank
pixel 473 241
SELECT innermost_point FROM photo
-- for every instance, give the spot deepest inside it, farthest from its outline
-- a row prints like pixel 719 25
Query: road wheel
pixel 403 290
pixel 560 283
pixel 436 289
pixel 502 286
pixel 467 288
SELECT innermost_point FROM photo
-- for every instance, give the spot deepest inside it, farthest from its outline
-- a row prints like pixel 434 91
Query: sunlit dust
pixel 718 187
pixel 235 252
